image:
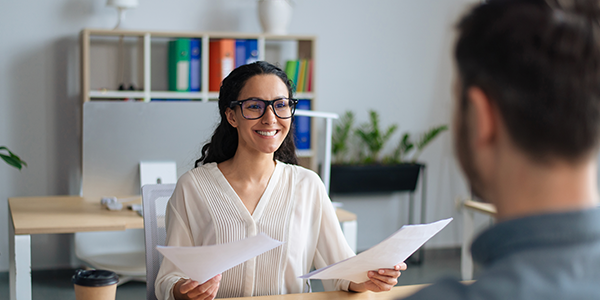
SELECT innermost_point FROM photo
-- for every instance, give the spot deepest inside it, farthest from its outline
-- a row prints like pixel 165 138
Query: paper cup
pixel 95 285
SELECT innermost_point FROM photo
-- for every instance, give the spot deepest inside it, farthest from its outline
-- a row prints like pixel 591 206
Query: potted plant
pixel 11 158
pixel 363 169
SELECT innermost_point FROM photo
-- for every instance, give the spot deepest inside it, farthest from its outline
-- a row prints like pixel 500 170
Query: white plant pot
pixel 275 15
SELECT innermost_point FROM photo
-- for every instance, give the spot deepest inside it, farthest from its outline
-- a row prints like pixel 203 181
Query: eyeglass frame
pixel 293 103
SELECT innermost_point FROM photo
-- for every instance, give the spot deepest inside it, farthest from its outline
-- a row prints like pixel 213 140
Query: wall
pixel 388 55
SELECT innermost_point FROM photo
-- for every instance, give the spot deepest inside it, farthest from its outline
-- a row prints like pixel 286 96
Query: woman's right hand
pixel 186 289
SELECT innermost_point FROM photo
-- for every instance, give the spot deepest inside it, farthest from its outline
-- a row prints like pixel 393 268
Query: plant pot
pixel 348 179
pixel 275 15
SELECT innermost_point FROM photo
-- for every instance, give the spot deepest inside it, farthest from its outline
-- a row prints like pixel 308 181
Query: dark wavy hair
pixel 224 141
pixel 539 62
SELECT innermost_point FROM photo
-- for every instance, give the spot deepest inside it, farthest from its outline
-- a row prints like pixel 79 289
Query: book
pixel 309 77
pixel 290 70
pixel 251 51
pixel 302 126
pixel 240 53
pixel 195 65
pixel 221 62
pixel 179 65
pixel 301 76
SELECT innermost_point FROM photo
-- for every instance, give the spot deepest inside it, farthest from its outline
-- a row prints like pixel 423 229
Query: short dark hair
pixel 540 65
pixel 224 141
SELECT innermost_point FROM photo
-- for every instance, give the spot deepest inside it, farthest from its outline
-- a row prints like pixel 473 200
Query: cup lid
pixel 94 278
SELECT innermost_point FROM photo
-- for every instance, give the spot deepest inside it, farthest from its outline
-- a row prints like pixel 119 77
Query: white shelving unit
pixel 272 48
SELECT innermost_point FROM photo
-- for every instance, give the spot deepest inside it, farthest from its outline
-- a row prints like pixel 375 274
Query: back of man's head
pixel 539 64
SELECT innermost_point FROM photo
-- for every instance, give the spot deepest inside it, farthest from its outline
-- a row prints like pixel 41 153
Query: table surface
pixel 396 293
pixel 70 214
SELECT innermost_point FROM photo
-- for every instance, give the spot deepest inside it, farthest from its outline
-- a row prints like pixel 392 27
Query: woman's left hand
pixel 380 280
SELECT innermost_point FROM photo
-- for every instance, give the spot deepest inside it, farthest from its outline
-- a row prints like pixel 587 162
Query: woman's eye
pixel 280 105
pixel 253 106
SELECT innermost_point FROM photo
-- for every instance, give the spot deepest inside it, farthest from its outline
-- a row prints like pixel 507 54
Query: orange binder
pixel 221 62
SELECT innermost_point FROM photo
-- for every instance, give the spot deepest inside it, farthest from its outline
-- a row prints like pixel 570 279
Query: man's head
pixel 538 67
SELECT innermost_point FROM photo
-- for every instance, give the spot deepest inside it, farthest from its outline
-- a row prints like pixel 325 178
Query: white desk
pixel 70 214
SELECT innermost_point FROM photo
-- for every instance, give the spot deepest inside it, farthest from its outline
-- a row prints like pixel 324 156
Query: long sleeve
pixel 178 234
pixel 332 246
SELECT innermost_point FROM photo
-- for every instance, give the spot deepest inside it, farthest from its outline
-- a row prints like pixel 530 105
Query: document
pixel 204 263
pixel 390 252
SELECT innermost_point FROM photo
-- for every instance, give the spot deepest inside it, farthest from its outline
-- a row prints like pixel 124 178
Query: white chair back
pixel 154 202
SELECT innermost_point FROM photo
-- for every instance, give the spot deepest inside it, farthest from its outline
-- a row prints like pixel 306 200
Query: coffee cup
pixel 95 284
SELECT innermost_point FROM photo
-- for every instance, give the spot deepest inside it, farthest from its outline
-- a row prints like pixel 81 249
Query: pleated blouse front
pixel 294 208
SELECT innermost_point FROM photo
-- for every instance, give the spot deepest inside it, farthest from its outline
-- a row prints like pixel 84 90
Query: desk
pixel 469 209
pixel 70 214
pixel 396 293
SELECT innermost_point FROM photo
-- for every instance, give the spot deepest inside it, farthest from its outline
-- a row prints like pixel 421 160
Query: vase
pixel 275 15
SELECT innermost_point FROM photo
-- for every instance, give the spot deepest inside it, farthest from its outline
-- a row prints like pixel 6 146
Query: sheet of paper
pixel 390 252
pixel 204 263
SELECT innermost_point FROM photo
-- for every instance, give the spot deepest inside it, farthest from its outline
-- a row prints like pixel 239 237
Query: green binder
pixel 179 65
pixel 291 69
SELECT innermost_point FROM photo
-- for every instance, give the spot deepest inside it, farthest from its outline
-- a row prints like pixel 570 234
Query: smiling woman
pixel 247 182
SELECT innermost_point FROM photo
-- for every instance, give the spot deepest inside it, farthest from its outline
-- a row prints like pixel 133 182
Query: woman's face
pixel 266 134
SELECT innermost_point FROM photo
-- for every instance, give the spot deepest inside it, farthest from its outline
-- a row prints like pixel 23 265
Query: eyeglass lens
pixel 254 109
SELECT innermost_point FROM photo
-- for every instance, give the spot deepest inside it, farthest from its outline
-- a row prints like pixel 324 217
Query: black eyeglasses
pixel 255 108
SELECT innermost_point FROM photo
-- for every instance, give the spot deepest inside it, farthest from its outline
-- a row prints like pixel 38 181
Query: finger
pixel 401 266
pixel 187 286
pixel 390 280
pixel 382 283
pixel 208 284
pixel 375 284
pixel 388 273
pixel 212 292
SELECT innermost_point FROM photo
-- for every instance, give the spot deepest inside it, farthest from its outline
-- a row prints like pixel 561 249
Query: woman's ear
pixel 230 114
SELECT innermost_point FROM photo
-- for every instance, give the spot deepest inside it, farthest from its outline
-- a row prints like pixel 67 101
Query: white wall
pixel 392 56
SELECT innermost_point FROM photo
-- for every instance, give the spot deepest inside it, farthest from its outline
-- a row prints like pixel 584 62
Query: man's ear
pixel 230 114
pixel 484 115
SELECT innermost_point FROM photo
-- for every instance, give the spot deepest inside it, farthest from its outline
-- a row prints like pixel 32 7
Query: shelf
pixel 116 94
pixel 304 153
pixel 145 55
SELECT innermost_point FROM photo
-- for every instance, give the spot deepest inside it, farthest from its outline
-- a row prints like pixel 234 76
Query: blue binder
pixel 251 51
pixel 195 65
pixel 240 53
pixel 302 127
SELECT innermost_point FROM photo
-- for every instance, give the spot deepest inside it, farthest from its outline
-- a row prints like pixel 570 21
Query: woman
pixel 247 182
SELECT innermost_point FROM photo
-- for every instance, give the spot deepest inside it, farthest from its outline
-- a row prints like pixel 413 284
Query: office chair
pixel 154 206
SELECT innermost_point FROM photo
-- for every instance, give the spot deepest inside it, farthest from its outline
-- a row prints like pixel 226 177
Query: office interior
pixel 390 56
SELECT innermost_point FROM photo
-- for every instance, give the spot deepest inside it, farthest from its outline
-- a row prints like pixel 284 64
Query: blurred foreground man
pixel 527 128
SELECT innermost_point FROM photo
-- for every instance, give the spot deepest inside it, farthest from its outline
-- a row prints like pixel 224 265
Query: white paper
pixel 204 263
pixel 390 252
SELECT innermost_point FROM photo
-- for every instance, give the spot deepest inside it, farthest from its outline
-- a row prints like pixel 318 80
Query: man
pixel 527 129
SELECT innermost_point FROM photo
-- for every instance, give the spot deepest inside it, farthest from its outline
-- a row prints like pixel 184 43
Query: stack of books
pixel 185 61
pixel 185 65
pixel 300 72
pixel 227 54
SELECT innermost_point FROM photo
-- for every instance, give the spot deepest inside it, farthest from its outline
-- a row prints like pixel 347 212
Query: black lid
pixel 94 278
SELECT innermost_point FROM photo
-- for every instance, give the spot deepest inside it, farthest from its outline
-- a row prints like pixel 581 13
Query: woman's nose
pixel 269 117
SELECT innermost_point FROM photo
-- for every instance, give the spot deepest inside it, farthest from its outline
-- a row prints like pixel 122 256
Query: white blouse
pixel 295 209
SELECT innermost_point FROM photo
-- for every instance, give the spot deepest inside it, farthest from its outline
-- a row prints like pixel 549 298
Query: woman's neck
pixel 247 167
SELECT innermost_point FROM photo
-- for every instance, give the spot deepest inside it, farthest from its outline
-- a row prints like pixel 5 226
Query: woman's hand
pixel 186 289
pixel 380 280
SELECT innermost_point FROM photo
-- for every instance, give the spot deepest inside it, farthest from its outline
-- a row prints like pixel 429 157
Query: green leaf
pixel 426 138
pixel 12 159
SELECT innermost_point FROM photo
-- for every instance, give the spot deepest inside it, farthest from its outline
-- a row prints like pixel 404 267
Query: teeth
pixel 267 133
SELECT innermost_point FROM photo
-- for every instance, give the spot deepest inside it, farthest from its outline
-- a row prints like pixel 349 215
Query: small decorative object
pixel 275 15
pixel 122 5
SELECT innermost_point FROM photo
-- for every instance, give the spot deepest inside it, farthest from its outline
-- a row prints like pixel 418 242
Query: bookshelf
pixel 139 59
